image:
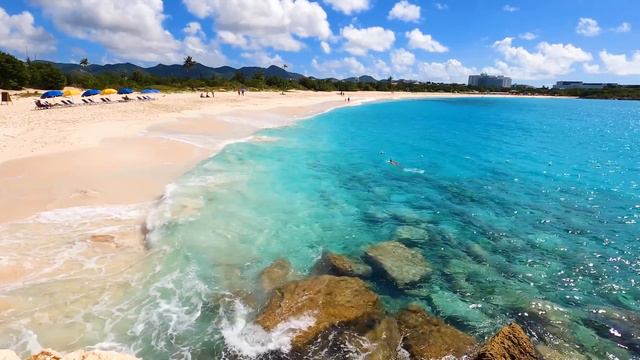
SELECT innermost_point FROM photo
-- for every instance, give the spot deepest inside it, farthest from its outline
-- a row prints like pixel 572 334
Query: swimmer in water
pixel 393 162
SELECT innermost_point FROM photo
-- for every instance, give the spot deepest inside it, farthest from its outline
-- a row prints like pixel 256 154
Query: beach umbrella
pixel 125 91
pixel 69 91
pixel 109 91
pixel 91 92
pixel 52 94
pixel 150 91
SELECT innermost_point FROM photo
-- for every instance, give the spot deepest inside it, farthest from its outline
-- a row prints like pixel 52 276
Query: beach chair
pixel 6 98
pixel 91 101
pixel 104 100
pixel 86 101
pixel 40 105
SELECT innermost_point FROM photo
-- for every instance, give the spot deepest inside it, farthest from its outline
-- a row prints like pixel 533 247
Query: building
pixel 565 85
pixel 489 81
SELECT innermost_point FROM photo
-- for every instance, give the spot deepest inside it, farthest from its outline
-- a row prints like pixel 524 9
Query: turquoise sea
pixel 527 209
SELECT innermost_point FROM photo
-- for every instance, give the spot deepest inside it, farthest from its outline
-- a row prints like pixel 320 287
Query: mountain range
pixel 197 71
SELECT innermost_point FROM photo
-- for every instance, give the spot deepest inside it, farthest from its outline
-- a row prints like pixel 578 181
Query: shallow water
pixel 527 209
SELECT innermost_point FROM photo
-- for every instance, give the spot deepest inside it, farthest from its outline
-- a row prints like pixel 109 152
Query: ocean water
pixel 527 209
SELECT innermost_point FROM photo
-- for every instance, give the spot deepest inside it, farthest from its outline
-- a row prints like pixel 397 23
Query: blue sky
pixel 535 42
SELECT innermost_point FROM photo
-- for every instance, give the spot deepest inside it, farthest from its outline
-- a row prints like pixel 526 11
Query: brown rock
pixel 275 275
pixel 404 266
pixel 102 238
pixel 509 343
pixel 385 340
pixel 427 337
pixel 330 300
pixel 340 265
pixel 46 354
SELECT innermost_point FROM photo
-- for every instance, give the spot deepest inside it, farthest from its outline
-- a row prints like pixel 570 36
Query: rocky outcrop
pixel 384 341
pixel 48 354
pixel 340 265
pixel 404 266
pixel 426 337
pixel 330 300
pixel 275 275
pixel 511 342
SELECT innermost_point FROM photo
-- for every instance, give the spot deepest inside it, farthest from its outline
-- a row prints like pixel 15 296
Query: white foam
pixel 87 213
pixel 414 170
pixel 251 340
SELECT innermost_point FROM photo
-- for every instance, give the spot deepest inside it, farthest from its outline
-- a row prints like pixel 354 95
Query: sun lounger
pixel 40 105
pixel 104 100
pixel 91 101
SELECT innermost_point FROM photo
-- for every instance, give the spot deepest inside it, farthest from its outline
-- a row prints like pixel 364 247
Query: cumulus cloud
pixel 402 60
pixel 348 7
pixel 382 69
pixel 255 24
pixel 623 28
pixel 131 29
pixel 591 68
pixel 588 27
pixel 450 71
pixel 262 58
pixel 348 66
pixel 528 36
pixel 510 8
pixel 361 41
pixel 405 11
pixel 620 64
pixel 548 61
pixel 418 40
pixel 195 44
pixel 18 33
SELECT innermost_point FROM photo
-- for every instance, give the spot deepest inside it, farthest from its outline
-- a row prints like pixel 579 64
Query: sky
pixel 534 42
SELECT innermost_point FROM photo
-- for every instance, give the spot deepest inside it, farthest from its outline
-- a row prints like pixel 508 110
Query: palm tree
pixel 284 87
pixel 188 64
pixel 84 62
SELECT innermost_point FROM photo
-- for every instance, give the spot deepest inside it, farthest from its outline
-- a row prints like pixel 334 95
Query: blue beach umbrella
pixel 125 91
pixel 90 92
pixel 52 94
pixel 150 91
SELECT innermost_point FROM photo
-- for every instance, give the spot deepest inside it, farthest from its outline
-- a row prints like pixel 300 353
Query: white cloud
pixel 326 48
pixel 348 7
pixel 548 61
pixel 405 11
pixel 528 36
pixel 261 58
pixel 348 66
pixel 588 27
pixel 620 64
pixel 441 6
pixel 623 28
pixel 402 60
pixel 449 71
pixel 382 69
pixel 196 45
pixel 130 29
pixel 591 68
pixel 418 40
pixel 360 41
pixel 510 8
pixel 18 33
pixel 255 24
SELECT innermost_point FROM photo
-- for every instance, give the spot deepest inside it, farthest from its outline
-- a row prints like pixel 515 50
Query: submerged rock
pixel 404 266
pixel 329 300
pixel 510 342
pixel 426 337
pixel 340 265
pixel 275 275
pixel 46 354
pixel 414 233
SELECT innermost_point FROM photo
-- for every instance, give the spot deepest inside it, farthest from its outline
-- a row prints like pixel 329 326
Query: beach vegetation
pixel 13 72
